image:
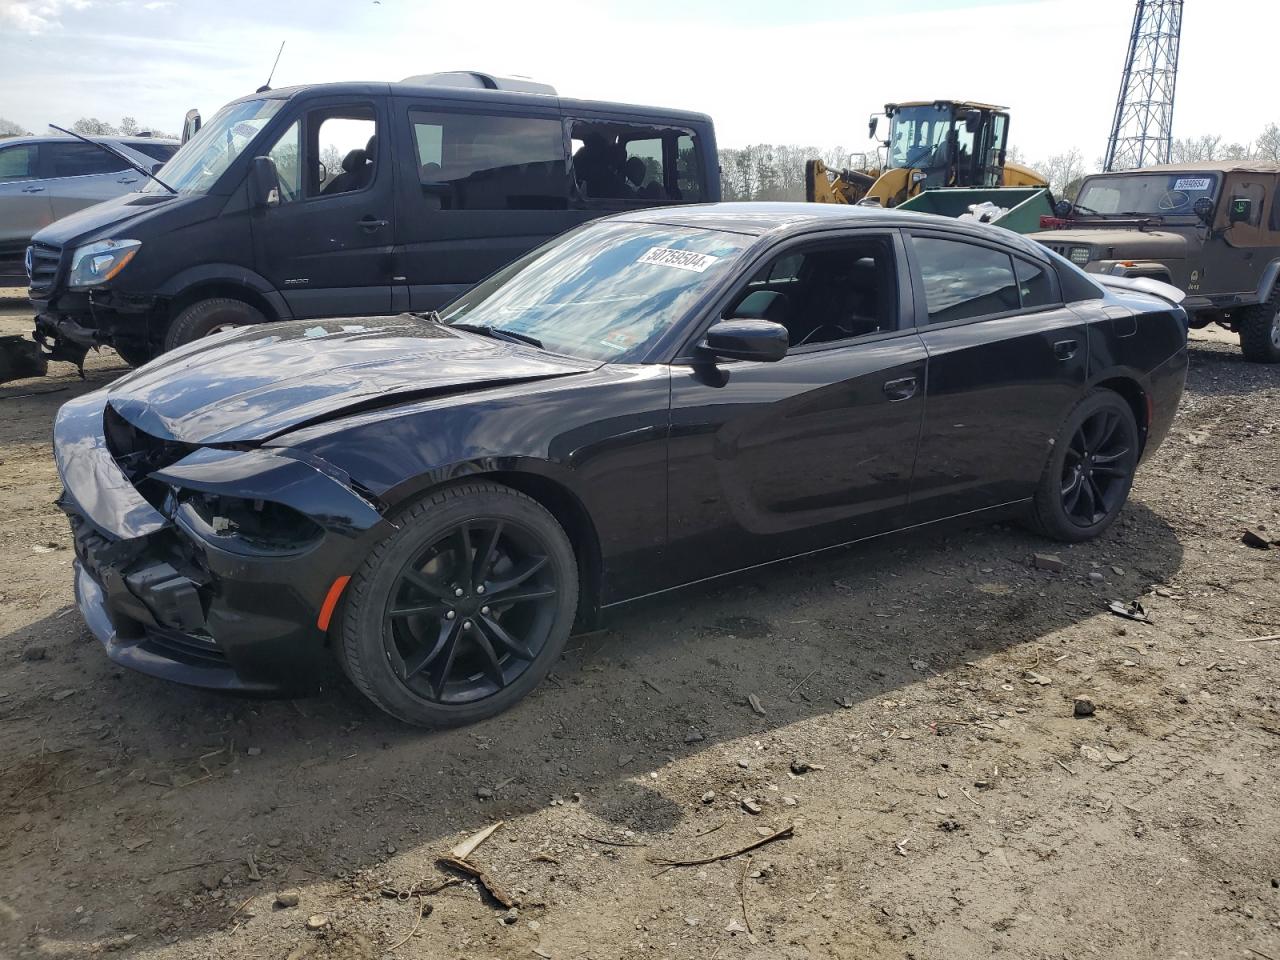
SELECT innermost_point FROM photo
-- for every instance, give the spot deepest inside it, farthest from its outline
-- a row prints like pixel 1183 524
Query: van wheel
pixel 1259 329
pixel 207 317
pixel 133 352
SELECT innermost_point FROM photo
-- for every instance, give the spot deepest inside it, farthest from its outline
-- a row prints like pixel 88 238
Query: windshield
pixel 917 134
pixel 607 291
pixel 205 157
pixel 1154 194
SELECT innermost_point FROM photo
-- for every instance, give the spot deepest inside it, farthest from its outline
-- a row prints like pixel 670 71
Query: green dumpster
pixel 1026 205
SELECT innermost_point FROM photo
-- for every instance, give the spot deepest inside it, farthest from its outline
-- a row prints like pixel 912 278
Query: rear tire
pixel 437 641
pixel 1259 328
pixel 206 317
pixel 1086 482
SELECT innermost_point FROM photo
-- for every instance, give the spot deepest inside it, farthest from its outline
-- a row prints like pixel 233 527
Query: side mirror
pixel 1063 209
pixel 264 184
pixel 972 121
pixel 190 125
pixel 872 126
pixel 1203 208
pixel 740 339
pixel 1241 210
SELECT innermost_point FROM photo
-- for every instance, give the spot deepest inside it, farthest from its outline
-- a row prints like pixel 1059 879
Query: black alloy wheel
pixel 1097 470
pixel 470 612
pixel 1090 469
pixel 463 609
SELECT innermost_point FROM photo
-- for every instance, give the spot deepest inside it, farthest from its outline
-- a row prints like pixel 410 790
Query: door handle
pixel 369 224
pixel 32 189
pixel 1066 349
pixel 903 389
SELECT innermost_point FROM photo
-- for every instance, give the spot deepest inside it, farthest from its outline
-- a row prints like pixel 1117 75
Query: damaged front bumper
pixel 173 592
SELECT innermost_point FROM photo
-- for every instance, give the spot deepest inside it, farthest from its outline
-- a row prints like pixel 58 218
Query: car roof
pixel 1209 166
pixel 758 218
pixel 127 141
pixel 469 95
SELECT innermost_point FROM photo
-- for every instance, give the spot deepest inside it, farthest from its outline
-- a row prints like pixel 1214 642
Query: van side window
pixel 287 156
pixel 625 165
pixel 343 143
pixel 470 162
pixel 689 179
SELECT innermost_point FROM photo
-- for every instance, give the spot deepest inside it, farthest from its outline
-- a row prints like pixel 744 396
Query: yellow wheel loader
pixel 935 145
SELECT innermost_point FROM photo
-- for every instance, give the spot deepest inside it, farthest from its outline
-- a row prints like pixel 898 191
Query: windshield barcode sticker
pixel 1193 183
pixel 680 259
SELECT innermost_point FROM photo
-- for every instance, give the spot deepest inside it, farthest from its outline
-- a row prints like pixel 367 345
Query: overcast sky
pixel 766 70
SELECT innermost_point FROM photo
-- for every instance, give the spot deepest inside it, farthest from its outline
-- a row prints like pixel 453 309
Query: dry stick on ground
pixel 611 843
pixel 801 683
pixel 742 894
pixel 782 834
pixel 471 870
pixel 1270 636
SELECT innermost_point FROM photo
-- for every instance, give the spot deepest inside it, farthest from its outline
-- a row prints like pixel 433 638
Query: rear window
pixel 79 160
pixel 622 165
pixel 156 151
pixel 490 163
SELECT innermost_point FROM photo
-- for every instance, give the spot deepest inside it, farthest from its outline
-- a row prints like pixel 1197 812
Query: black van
pixel 349 199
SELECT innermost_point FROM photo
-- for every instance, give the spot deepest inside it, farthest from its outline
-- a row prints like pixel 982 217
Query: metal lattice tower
pixel 1142 132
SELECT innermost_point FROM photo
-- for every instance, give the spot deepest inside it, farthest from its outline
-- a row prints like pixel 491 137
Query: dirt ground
pixel 952 806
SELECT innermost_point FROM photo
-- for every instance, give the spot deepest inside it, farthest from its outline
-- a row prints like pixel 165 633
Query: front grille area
pixel 43 266
pixel 192 648
pixel 1061 249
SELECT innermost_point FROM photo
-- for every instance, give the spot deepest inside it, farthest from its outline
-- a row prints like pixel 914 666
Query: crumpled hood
pixel 255 383
pixel 1118 244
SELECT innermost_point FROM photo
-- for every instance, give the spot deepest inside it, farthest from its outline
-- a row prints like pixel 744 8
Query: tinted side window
pixel 1275 211
pixel 18 163
pixel 1034 284
pixel 620 164
pixel 79 160
pixel 490 163
pixel 963 280
pixel 156 151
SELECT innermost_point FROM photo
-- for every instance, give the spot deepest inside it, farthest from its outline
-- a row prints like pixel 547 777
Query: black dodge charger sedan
pixel 645 402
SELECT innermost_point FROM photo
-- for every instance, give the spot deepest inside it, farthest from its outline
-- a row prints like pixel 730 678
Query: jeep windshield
pixel 1145 194
pixel 196 167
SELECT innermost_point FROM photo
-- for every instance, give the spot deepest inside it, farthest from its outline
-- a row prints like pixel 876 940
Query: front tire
pixel 1090 470
pixel 463 610
pixel 206 317
pixel 1259 328
pixel 134 353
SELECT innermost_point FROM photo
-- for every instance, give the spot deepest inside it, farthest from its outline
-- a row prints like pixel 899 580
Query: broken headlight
pixel 241 525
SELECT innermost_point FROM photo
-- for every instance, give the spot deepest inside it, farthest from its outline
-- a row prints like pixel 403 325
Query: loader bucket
pixel 1025 205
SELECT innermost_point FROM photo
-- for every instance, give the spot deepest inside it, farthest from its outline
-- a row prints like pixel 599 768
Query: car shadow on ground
pixel 327 781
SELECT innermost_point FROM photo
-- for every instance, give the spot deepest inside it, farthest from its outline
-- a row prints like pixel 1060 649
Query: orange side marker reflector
pixel 330 602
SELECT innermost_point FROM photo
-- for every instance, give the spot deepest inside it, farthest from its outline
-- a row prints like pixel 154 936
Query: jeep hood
pixel 249 385
pixel 1118 244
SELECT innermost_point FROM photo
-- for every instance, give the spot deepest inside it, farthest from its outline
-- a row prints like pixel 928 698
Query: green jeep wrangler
pixel 1210 229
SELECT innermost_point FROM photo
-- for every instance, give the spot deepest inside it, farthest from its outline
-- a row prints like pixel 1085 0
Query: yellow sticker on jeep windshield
pixel 680 259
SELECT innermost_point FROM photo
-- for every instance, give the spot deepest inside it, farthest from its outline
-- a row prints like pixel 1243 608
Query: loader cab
pixel 952 143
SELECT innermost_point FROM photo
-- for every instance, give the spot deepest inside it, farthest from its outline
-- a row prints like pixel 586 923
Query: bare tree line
pixel 776 171
pixel 90 127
